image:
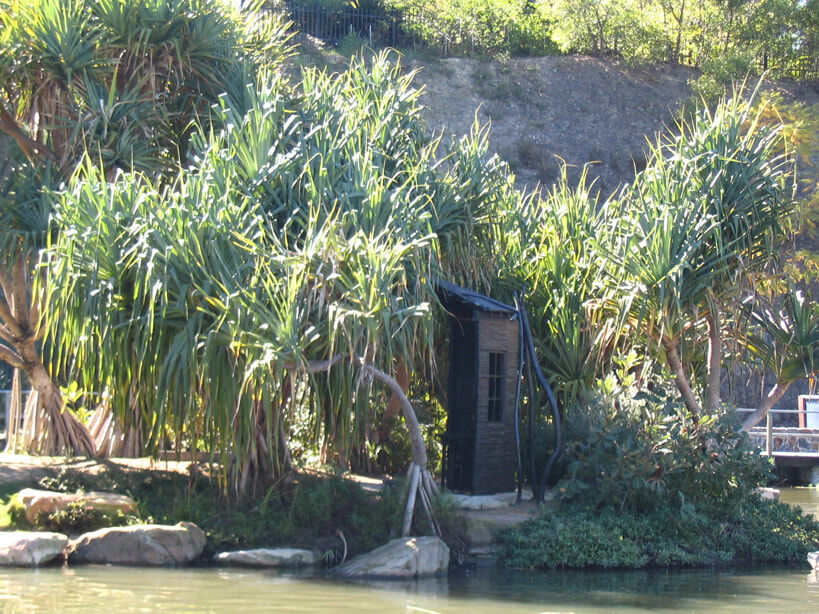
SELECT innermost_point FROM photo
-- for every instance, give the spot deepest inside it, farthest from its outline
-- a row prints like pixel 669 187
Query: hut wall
pixel 495 441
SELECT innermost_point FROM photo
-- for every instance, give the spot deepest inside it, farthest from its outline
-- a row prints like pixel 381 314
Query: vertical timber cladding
pixel 494 434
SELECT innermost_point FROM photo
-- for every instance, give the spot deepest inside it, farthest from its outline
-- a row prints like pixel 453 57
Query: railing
pixel 769 451
pixel 5 407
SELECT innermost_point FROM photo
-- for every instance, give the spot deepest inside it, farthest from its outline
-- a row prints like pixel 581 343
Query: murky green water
pixel 482 589
pixel 806 498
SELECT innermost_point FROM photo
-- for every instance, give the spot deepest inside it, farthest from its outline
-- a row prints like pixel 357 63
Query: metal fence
pixel 408 28
pixel 331 26
pixel 802 68
pixel 5 407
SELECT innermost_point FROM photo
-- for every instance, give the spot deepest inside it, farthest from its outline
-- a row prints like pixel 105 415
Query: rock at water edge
pixel 38 502
pixel 813 560
pixel 30 548
pixel 150 545
pixel 268 557
pixel 401 558
pixel 768 494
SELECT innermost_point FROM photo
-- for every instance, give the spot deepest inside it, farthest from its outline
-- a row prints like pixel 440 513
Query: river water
pixel 485 588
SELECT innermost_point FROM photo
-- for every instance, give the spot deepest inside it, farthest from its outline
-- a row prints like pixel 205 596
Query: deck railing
pixel 769 451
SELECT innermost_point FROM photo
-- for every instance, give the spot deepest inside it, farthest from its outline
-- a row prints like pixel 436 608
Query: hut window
pixel 495 397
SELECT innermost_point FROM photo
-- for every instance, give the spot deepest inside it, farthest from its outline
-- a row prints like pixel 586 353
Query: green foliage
pixel 13 514
pixel 79 517
pixel 480 27
pixel 641 451
pixel 312 225
pixel 720 73
pixel 123 80
pixel 746 531
pixel 305 513
pixel 548 245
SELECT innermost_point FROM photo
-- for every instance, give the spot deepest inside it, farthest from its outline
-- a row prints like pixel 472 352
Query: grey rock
pixel 30 548
pixel 813 559
pixel 411 557
pixel 769 494
pixel 149 545
pixel 268 557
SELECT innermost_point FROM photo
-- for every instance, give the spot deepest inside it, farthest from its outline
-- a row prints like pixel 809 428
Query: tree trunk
pixel 776 393
pixel 49 428
pixel 14 412
pixel 712 391
pixel 674 362
pixel 394 406
pixel 112 438
pixel 422 486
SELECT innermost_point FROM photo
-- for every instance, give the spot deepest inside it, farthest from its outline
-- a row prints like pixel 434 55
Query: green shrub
pixel 79 517
pixel 719 73
pixel 480 27
pixel 644 451
pixel 752 531
pixel 14 515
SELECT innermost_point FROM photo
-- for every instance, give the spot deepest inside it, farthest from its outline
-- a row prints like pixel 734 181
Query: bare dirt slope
pixel 575 108
pixel 579 109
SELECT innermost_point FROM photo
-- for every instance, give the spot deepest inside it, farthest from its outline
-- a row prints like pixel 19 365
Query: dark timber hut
pixel 479 444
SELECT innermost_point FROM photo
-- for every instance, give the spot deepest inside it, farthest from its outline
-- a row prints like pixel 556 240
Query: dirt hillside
pixel 575 108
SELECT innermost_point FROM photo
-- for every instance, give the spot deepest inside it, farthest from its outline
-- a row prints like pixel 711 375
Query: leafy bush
pixel 648 485
pixel 480 27
pixel 573 536
pixel 644 451
pixel 79 517
pixel 719 73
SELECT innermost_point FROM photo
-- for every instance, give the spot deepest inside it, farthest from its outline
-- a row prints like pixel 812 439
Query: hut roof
pixel 451 292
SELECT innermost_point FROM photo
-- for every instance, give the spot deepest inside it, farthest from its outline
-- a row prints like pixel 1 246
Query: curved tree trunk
pixel 422 486
pixel 48 428
pixel 776 393
pixel 394 406
pixel 683 385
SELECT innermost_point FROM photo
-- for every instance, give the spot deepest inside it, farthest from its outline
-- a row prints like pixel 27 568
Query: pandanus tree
pixel 694 229
pixel 114 82
pixel 785 339
pixel 289 268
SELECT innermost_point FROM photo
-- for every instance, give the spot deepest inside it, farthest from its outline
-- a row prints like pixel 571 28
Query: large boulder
pixel 38 502
pixel 30 548
pixel 151 545
pixel 401 558
pixel 268 557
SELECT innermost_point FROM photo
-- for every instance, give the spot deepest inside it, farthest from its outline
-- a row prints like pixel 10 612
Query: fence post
pixel 768 435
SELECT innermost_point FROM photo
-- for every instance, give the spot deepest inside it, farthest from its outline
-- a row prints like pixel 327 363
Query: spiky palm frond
pixel 786 338
pixel 305 230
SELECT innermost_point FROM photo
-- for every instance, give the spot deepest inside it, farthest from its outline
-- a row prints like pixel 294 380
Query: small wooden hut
pixel 479 444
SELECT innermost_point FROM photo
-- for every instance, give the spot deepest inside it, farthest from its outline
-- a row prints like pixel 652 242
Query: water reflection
pixel 482 589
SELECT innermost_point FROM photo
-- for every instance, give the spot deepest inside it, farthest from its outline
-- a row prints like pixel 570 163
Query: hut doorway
pixel 479 444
